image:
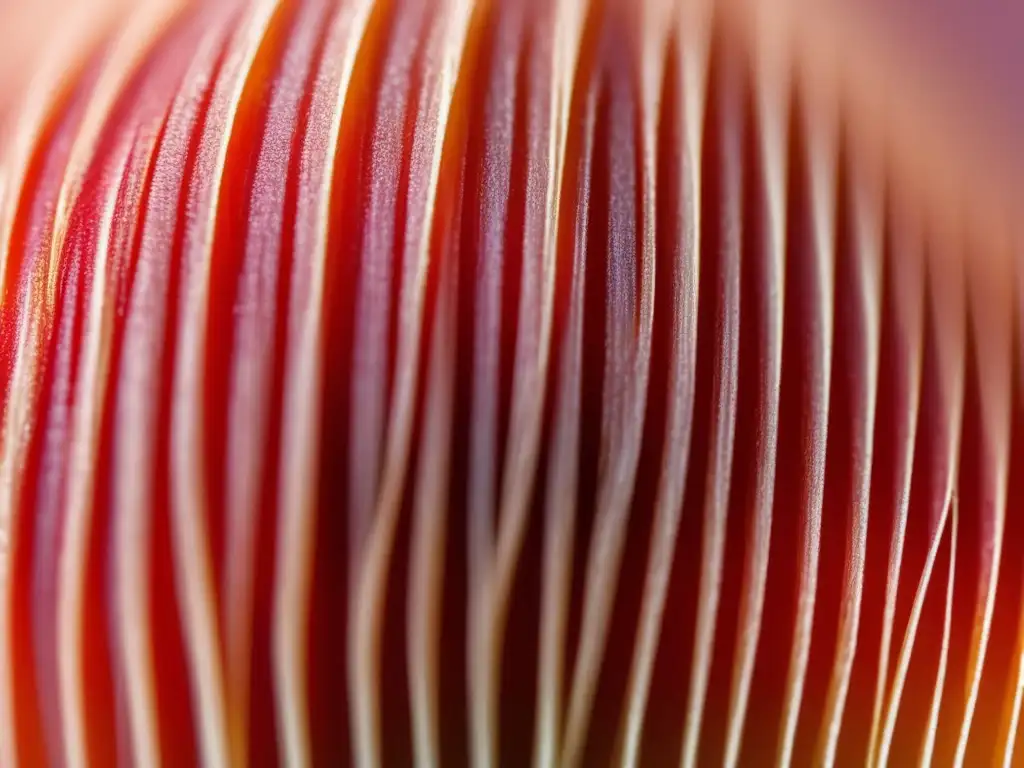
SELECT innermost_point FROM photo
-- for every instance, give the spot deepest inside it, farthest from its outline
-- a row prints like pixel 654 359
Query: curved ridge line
pixel 364 652
pixel 909 638
pixel 671 480
pixel 123 63
pixel 689 23
pixel 996 419
pixel 730 159
pixel 426 570
pixel 129 50
pixel 46 100
pixel 952 452
pixel 615 489
pixel 488 616
pixel 867 213
pixel 289 56
pixel 43 98
pixel 821 158
pixel 46 92
pixel 1015 693
pixel 502 118
pixel 194 572
pixel 896 546
pixel 127 55
pixel 132 488
pixel 301 433
pixel 88 406
pixel 560 495
pixel 928 744
pixel 773 88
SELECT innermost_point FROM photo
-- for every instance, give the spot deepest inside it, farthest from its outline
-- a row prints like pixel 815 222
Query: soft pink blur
pixel 982 41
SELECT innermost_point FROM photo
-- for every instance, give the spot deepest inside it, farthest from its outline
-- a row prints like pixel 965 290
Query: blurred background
pixel 981 40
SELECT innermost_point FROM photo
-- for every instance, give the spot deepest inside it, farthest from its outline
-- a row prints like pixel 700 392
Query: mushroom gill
pixel 565 382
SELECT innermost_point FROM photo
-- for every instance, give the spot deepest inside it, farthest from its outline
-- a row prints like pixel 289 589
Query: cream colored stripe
pixel 691 29
pixel 993 340
pixel 905 271
pixel 866 249
pixel 545 170
pixel 79 514
pixel 772 84
pixel 194 579
pixel 560 496
pixel 74 42
pixel 426 572
pixel 122 62
pixel 1008 733
pixel 287 50
pixel 730 159
pixel 909 637
pixel 947 315
pixel 300 410
pixel 369 591
pixel 822 158
pixel 624 406
pixel 126 57
pixel 492 313
pixel 928 740
pixel 87 418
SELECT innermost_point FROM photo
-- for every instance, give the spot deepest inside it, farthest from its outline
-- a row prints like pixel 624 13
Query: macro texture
pixel 554 382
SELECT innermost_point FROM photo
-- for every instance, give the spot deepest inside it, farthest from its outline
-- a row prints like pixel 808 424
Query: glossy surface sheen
pixel 440 381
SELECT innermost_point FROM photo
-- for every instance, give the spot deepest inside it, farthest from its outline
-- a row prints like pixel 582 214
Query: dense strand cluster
pixel 560 382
